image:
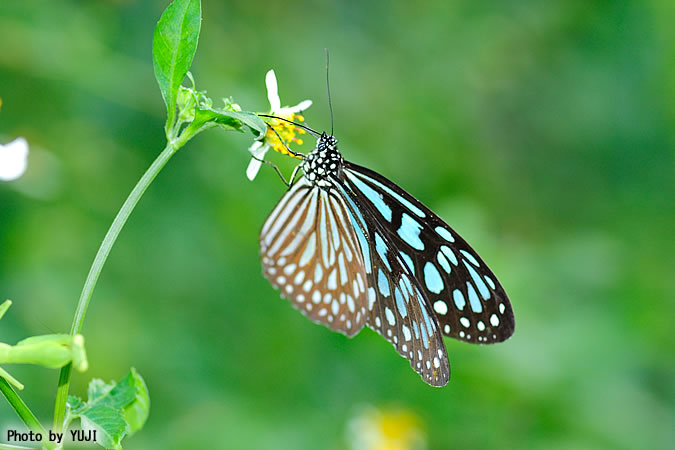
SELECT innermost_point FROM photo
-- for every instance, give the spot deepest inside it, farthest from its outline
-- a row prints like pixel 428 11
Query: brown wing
pixel 310 253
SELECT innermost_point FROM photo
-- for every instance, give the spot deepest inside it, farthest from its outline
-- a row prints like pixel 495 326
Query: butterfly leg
pixel 296 154
pixel 274 166
pixel 295 171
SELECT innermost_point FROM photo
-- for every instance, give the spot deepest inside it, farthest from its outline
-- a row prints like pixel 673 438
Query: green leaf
pixel 114 410
pixel 136 412
pixel 75 403
pixel 251 120
pixel 173 47
pixel 233 119
pixel 109 424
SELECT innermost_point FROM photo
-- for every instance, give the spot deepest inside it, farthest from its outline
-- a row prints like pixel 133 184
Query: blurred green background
pixel 541 131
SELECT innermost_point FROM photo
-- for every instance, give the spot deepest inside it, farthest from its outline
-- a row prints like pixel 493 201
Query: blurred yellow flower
pixel 389 429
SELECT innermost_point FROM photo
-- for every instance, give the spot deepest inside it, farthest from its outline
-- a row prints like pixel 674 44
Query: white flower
pixel 13 159
pixel 259 148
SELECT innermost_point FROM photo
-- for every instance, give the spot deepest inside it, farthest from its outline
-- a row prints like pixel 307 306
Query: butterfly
pixel 350 249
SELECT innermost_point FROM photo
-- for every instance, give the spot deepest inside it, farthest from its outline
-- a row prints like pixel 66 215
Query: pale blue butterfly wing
pixel 466 297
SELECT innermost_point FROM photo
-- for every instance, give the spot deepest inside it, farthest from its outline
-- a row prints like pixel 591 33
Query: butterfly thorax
pixel 324 162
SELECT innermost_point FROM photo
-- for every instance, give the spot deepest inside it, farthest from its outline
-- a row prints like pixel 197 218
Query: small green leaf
pixel 251 120
pixel 136 412
pixel 173 47
pixel 114 410
pixel 116 395
pixel 109 424
pixel 75 404
pixel 97 389
pixel 233 119
pixel 203 116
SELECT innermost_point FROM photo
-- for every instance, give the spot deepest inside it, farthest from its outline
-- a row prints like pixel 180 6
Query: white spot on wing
pixel 390 316
pixel 332 280
pixel 441 307
pixel 406 333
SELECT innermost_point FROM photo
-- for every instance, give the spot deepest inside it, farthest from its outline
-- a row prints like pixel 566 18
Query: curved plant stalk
pixel 102 255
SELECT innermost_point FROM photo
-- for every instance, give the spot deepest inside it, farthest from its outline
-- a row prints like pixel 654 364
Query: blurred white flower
pixel 286 130
pixel 13 159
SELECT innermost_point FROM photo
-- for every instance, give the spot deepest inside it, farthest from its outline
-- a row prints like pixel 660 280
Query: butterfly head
pixel 324 162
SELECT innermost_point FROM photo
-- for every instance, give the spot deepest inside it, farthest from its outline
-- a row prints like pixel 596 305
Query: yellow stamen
pixel 286 131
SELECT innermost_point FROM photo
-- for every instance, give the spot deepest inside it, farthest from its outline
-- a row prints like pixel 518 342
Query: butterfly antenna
pixel 330 104
pixel 313 132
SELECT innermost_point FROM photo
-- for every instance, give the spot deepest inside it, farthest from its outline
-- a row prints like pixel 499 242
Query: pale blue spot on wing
pixel 415 210
pixel 427 320
pixel 416 329
pixel 400 304
pixel 381 248
pixel 458 298
pixel 482 288
pixel 374 197
pixel 406 287
pixel 408 261
pixel 443 261
pixel 382 283
pixel 476 305
pixel 449 254
pixel 410 232
pixel 365 248
pixel 470 257
pixel 445 234
pixel 425 339
pixel 432 278
pixel 489 281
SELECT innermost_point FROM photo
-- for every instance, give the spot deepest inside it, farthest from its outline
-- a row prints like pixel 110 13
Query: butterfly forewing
pixel 310 252
pixel 466 297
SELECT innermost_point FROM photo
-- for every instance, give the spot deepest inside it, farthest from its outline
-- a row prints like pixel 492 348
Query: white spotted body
pixel 323 163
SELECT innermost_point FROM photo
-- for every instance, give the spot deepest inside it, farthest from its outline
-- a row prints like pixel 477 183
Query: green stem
pixel 102 255
pixel 22 410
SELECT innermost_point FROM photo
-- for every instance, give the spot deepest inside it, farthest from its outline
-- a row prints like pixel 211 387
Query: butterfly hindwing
pixel 397 308
pixel 310 252
pixel 466 297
